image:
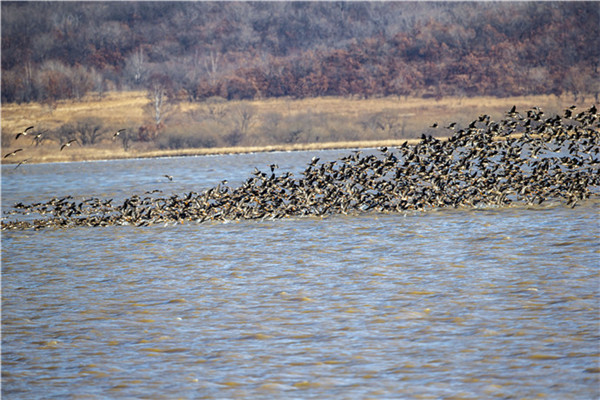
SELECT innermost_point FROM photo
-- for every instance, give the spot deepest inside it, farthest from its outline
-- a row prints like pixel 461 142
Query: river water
pixel 482 303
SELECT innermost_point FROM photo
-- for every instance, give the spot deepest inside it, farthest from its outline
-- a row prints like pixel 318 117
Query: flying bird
pixel 13 153
pixel 37 139
pixel 24 133
pixel 21 162
pixel 169 177
pixel 68 144
pixel 117 133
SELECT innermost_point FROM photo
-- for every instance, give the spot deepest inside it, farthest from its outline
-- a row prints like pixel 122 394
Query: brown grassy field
pixel 218 126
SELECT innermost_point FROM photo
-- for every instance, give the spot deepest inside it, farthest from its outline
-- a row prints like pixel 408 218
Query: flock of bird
pixel 38 138
pixel 521 159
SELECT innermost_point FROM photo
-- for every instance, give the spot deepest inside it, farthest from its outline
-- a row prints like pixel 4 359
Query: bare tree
pixel 81 81
pixel 88 130
pixel 211 65
pixel 159 93
pixel 215 107
pixel 244 116
pixel 135 66
pixel 384 124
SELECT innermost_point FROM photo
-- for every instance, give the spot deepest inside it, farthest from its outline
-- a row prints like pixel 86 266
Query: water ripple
pixel 453 303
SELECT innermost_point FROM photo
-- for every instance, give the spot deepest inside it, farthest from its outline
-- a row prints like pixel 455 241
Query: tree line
pixel 249 50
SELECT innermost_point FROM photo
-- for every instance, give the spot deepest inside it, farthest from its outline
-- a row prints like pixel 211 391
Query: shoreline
pixel 279 124
pixel 488 164
pixel 101 155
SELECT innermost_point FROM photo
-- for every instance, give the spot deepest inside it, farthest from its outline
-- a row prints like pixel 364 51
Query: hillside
pixel 257 50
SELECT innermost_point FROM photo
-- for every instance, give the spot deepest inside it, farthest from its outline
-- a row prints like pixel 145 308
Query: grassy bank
pixel 217 126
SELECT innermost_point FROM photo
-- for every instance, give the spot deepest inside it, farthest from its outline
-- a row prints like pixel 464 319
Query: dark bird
pixel 169 177
pixel 21 162
pixel 117 133
pixel 451 126
pixel 435 125
pixel 568 113
pixel 13 153
pixel 68 144
pixel 37 139
pixel 257 172
pixel 24 133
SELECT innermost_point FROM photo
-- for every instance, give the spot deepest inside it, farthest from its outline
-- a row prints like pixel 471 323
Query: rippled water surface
pixel 444 304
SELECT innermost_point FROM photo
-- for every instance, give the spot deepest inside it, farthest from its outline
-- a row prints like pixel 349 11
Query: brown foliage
pixel 262 50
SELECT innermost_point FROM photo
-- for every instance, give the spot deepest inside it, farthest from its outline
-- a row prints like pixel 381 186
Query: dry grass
pixel 114 108
pixel 324 123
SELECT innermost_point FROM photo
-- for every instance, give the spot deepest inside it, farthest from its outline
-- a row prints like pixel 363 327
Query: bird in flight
pixel 21 162
pixel 169 177
pixel 37 139
pixel 117 133
pixel 24 133
pixel 69 143
pixel 13 153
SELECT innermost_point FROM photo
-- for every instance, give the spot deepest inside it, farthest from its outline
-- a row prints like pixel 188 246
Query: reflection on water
pixel 471 304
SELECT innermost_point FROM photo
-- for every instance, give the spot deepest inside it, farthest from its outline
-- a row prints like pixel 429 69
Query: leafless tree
pixel 211 65
pixel 159 93
pixel 88 130
pixel 136 67
pixel 385 124
pixel 244 116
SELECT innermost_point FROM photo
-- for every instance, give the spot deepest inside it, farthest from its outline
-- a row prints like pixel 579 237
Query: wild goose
pixel 117 133
pixel 68 144
pixel 24 133
pixel 12 153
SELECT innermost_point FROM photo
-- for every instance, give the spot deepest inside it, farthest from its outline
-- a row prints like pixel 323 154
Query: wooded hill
pixel 249 50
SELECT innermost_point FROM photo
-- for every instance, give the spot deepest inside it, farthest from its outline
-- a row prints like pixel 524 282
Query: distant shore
pixel 98 154
pixel 209 127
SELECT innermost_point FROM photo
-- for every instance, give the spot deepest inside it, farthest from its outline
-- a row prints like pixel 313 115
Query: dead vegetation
pixel 218 126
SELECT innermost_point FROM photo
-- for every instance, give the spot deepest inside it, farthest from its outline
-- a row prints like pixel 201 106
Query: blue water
pixel 482 303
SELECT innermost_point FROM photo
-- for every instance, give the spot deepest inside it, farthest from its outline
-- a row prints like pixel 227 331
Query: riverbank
pixel 221 127
pixel 478 166
pixel 104 153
